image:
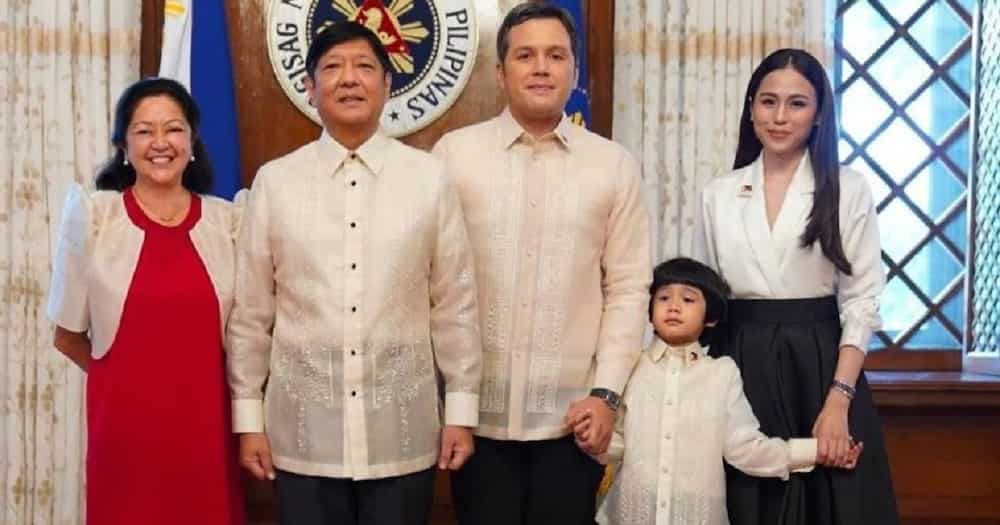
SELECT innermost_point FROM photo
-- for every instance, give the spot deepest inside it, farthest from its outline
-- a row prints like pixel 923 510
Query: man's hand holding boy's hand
pixel 592 423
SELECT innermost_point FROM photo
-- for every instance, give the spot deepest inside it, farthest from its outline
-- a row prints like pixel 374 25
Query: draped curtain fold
pixel 62 67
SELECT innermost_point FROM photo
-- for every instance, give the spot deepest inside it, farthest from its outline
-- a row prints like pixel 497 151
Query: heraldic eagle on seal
pixel 431 44
pixel 384 21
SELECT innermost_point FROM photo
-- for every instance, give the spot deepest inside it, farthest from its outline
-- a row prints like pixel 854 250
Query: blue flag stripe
pixel 213 88
pixel 579 102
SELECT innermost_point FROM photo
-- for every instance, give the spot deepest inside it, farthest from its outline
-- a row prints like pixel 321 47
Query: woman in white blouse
pixel 142 284
pixel 796 237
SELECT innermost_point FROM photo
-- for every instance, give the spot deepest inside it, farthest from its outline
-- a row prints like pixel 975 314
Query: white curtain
pixel 681 70
pixel 63 64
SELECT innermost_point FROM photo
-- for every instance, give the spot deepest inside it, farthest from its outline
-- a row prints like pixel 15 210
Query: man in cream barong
pixel 355 288
pixel 562 256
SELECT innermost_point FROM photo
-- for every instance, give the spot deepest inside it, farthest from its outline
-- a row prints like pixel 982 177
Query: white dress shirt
pixel 759 262
pixel 683 414
pixel 354 290
pixel 562 253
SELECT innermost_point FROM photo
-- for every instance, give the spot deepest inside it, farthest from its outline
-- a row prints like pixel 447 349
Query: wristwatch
pixel 611 398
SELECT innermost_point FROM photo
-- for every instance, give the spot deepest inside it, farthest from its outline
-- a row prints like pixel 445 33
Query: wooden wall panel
pixel 152 37
pixel 269 125
pixel 942 431
pixel 945 463
pixel 599 17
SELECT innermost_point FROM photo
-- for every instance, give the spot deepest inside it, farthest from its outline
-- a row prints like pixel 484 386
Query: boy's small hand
pixel 601 424
pixel 852 456
pixel 850 460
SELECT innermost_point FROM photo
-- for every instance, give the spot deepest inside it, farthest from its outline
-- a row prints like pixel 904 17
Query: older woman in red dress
pixel 141 288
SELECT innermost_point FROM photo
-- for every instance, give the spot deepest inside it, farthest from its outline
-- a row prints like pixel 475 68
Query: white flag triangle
pixel 175 56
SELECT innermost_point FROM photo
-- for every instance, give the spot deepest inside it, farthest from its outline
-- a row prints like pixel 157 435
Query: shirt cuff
pixel 612 378
pixel 248 416
pixel 856 335
pixel 461 409
pixel 801 455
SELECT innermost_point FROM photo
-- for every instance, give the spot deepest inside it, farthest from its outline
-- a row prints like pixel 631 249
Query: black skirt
pixel 787 352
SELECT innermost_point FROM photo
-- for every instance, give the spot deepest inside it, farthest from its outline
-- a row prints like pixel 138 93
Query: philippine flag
pixel 578 107
pixel 196 53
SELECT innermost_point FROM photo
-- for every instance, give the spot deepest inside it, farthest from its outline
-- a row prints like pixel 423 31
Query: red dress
pixel 159 447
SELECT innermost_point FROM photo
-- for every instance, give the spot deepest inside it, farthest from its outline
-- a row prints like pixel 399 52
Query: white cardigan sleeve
pixel 67 305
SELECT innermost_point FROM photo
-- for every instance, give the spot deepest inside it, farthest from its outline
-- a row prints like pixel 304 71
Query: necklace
pixel 163 219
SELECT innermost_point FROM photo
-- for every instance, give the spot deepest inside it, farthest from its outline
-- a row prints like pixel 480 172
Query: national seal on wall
pixel 431 44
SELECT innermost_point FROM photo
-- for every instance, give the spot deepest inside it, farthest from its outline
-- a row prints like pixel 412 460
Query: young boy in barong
pixel 684 415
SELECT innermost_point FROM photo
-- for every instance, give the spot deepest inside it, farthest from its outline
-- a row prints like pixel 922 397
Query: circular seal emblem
pixel 431 44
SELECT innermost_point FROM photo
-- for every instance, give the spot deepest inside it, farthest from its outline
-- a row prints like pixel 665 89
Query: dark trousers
pixel 314 500
pixel 550 482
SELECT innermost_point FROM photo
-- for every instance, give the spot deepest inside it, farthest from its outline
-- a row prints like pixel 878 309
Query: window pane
pixel 958 152
pixel 864 30
pixel 961 72
pixel 901 10
pixel 957 231
pixel 937 110
pixel 846 70
pixel 868 110
pixel 935 190
pixel 901 308
pixel 934 268
pixel 901 230
pixel 954 309
pixel 900 71
pixel 923 153
pixel 899 150
pixel 932 335
pixel 939 30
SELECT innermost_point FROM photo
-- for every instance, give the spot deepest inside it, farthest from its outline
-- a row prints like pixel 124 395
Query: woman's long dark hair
pixel 118 176
pixel 824 219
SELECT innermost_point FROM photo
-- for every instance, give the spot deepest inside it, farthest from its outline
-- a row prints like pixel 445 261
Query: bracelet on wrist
pixel 847 390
